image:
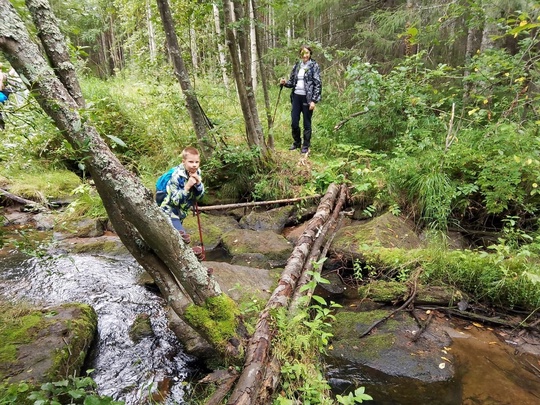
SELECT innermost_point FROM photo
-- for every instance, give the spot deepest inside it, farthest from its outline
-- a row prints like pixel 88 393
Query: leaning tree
pixel 138 221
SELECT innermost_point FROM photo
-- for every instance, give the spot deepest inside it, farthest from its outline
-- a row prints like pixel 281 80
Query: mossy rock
pixel 387 348
pixel 388 231
pixel 212 227
pixel 268 220
pixel 274 247
pixel 45 344
pixel 141 328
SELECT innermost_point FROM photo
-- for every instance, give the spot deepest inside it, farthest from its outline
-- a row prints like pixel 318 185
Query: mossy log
pixel 391 292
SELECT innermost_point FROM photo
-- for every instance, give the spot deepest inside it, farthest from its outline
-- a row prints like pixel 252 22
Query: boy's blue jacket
pixel 177 202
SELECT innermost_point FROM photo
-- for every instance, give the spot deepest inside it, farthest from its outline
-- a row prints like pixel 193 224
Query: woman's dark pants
pixel 301 106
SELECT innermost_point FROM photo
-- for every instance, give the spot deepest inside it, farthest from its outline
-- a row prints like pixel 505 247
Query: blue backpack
pixel 161 185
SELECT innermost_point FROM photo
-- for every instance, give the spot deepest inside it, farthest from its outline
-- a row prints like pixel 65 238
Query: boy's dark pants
pixel 301 106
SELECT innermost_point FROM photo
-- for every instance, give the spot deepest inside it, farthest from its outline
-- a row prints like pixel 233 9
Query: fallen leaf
pixel 467 327
pixel 442 365
pixel 492 343
pixel 447 348
pixel 428 311
pixel 446 359
pixel 477 325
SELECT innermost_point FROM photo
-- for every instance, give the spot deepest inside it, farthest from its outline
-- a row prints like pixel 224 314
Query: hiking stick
pixel 200 231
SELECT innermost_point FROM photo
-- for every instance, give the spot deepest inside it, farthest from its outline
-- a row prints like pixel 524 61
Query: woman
pixel 305 82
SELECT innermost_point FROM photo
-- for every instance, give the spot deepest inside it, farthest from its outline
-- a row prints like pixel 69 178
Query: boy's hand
pixel 193 180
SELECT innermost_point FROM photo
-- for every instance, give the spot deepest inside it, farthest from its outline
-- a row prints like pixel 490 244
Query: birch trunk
pixel 262 68
pixel 221 49
pixel 151 33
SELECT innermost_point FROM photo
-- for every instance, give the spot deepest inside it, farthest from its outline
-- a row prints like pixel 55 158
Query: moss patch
pixel 39 345
pixel 218 318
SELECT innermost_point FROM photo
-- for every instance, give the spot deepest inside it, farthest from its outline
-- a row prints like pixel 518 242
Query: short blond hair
pixel 189 151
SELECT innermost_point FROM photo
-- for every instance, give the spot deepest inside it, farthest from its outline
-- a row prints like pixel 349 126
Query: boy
pixel 184 189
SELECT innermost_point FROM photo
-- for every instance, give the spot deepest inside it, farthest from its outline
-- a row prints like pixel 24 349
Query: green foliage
pixel 298 344
pixel 356 397
pixel 73 390
pixel 87 204
pixel 505 278
pixel 232 169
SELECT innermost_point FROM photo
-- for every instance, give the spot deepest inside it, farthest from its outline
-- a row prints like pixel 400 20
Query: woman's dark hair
pixel 305 47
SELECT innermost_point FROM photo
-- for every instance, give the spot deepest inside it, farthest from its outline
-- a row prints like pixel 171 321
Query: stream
pixel 123 370
pixel 490 371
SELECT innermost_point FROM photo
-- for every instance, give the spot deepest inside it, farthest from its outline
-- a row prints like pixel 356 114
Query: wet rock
pixel 275 248
pixel 141 328
pixel 44 221
pixel 241 282
pixel 107 244
pixel 271 220
pixel 393 367
pixel 85 228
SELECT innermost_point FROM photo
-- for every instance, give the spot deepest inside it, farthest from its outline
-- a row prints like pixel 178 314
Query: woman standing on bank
pixel 305 82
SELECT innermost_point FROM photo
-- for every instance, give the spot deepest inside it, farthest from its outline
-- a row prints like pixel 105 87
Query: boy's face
pixel 191 163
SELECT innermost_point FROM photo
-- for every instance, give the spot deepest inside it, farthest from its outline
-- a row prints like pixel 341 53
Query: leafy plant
pixel 73 390
pixel 354 398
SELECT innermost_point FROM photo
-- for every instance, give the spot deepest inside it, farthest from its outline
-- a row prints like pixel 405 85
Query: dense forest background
pixel 429 109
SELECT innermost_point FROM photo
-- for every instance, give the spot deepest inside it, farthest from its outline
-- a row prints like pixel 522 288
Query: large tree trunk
pixel 264 81
pixel 142 227
pixel 192 104
pixel 55 47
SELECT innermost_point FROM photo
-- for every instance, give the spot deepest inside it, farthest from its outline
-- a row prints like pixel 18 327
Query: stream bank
pixel 255 264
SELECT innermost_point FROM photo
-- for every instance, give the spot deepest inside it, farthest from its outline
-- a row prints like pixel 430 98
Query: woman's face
pixel 305 55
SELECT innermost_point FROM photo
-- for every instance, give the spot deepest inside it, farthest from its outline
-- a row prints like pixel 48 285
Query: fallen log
pixel 247 390
pixel 18 199
pixel 256 203
pixel 315 253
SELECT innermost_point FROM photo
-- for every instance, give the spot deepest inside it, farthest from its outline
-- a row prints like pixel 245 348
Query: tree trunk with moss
pixel 142 227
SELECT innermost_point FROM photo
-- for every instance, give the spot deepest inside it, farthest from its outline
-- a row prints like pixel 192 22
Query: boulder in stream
pixel 392 366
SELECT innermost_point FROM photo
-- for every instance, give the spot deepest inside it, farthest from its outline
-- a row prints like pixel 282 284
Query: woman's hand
pixel 312 106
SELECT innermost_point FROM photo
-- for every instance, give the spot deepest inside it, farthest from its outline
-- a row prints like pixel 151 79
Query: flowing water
pixel 489 371
pixel 124 370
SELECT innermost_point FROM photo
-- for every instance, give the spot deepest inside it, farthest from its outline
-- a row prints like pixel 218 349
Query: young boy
pixel 4 94
pixel 184 189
